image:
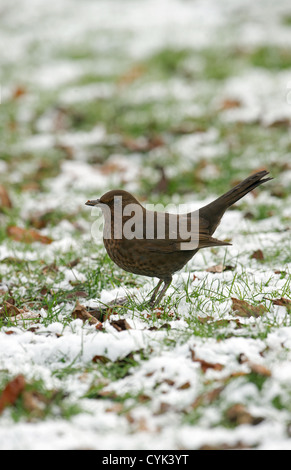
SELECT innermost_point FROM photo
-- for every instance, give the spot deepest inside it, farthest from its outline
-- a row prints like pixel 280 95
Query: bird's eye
pixel 109 202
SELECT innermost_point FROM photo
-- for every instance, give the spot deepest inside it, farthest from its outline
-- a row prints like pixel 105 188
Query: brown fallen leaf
pixel 5 200
pixel 18 92
pixel 163 183
pixel 258 254
pixel 260 369
pixel 12 391
pixel 100 359
pixel 283 302
pixel 207 398
pixel 25 315
pixel 50 268
pixel 186 128
pixel 144 144
pixel 40 220
pixel 244 309
pixel 30 186
pixel 184 386
pixel 115 408
pixel 204 364
pixel 230 103
pixel 78 293
pixel 131 75
pixel 163 408
pixel 66 149
pixel 73 263
pixel 27 235
pixel 81 312
pixel 278 271
pixel 225 446
pixel 280 122
pixel 120 325
pixel 34 402
pixel 204 320
pixel 219 268
pixel 238 414
pixel 8 310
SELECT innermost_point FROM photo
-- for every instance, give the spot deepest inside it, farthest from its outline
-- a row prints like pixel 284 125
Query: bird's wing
pixel 168 233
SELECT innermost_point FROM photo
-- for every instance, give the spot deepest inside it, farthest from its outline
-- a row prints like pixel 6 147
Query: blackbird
pixel 157 244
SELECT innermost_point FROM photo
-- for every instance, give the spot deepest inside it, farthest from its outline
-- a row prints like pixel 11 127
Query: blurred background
pixel 174 101
pixel 169 99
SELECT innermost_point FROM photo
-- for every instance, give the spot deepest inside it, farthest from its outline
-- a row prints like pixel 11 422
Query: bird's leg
pixel 167 282
pixel 153 297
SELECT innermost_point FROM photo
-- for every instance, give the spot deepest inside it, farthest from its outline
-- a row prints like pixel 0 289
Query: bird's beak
pixel 95 202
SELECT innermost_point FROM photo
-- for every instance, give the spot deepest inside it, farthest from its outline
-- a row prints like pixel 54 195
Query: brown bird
pixel 157 244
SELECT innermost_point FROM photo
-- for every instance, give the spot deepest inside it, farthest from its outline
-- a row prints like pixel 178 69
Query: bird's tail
pixel 215 210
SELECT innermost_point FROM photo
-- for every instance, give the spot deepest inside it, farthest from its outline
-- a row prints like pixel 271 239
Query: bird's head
pixel 113 199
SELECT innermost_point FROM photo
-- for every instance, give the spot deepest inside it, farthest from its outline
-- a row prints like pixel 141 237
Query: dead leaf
pixel 206 319
pixel 25 315
pixel 73 263
pixel 184 386
pixel 81 312
pixel 165 326
pixel 102 359
pixel 66 149
pixel 219 268
pixel 225 446
pixel 204 364
pixel 27 235
pixel 163 408
pixel 143 144
pixel 18 92
pixel 12 391
pixel 230 103
pixel 44 291
pixel 50 268
pixel 4 197
pixel 256 368
pixel 33 402
pixel 258 254
pixel 280 122
pixel 259 369
pixel 163 183
pixel 40 220
pixel 30 186
pixel 278 271
pixel 78 293
pixel 187 128
pixel 131 75
pixel 238 414
pixel 120 325
pixel 244 309
pixel 283 302
pixel 8 310
pixel 115 408
pixel 207 398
